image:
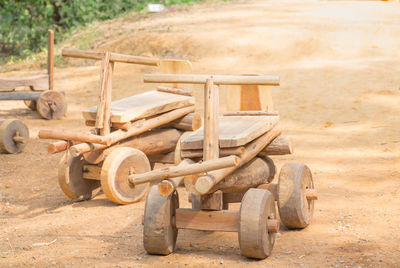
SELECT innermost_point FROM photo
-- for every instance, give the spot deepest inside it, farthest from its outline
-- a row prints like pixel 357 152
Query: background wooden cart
pixel 50 104
pixel 128 136
pixel 226 163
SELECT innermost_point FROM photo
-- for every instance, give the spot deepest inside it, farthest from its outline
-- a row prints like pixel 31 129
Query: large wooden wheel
pixel 256 209
pixel 13 136
pixel 118 165
pixel 295 208
pixel 159 231
pixel 72 183
pixel 51 105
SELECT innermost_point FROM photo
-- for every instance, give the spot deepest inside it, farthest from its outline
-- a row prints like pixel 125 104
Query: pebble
pixel 221 262
pixel 8 204
pixel 139 258
pixel 341 261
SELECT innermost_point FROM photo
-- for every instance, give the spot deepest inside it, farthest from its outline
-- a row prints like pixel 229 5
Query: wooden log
pixel 222 221
pixel 50 58
pixel 38 82
pixel 268 80
pixel 20 95
pixel 168 186
pixel 178 91
pixel 114 57
pixel 205 183
pixel 281 145
pixel 73 136
pixel 222 152
pixel 136 129
pixel 59 146
pixel 177 171
pixel 236 113
pixel 168 158
pixel 115 125
pixel 255 172
pixel 211 137
pixel 189 122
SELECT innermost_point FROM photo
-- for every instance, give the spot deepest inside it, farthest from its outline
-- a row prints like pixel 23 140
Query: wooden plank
pixel 220 221
pixel 20 95
pixel 50 57
pixel 143 105
pixel 178 91
pixel 234 131
pixel 211 103
pixel 38 82
pixel 91 172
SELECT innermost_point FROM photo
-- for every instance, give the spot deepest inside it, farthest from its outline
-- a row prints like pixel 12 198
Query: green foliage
pixel 24 23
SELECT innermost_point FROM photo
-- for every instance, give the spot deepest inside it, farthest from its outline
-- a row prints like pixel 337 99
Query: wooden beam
pixel 211 137
pixel 73 136
pixel 50 57
pixel 38 82
pixel 177 171
pixel 222 221
pixel 213 201
pixel 177 91
pixel 114 57
pixel 136 129
pixel 222 152
pixel 20 95
pixel 218 79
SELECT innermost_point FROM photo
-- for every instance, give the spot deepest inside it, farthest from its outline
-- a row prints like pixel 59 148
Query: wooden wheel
pixel 72 183
pixel 51 105
pixel 295 209
pixel 256 209
pixel 13 136
pixel 159 231
pixel 118 165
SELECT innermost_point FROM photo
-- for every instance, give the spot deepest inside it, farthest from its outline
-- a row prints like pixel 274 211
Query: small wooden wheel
pixel 72 183
pixel 295 209
pixel 13 136
pixel 159 231
pixel 118 165
pixel 30 104
pixel 256 211
pixel 51 105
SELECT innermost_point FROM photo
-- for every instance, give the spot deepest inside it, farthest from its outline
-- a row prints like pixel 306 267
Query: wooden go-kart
pixel 50 104
pixel 14 135
pixel 129 135
pixel 226 162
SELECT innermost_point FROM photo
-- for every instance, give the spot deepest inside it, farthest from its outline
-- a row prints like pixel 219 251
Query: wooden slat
pixel 222 221
pixel 38 82
pixel 233 131
pixel 141 106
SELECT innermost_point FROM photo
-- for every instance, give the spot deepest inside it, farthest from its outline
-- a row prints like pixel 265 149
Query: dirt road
pixel 339 64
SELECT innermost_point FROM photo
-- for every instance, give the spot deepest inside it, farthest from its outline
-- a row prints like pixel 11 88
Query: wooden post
pixel 50 57
pixel 103 95
pixel 211 138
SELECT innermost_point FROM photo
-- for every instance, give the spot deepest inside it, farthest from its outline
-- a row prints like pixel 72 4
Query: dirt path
pixel 339 98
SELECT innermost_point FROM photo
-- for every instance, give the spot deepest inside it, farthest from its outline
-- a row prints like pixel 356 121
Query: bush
pixel 24 23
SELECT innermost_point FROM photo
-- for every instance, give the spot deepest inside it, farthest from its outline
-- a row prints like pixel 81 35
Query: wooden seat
pixel 233 131
pixel 142 105
pixel 38 82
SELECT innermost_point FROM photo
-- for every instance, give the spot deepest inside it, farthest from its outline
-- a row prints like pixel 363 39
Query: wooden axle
pixel 170 172
pixel 220 221
pixel 114 57
pixel 205 183
pixel 217 79
pixel 136 129
pixel 19 139
pixel 311 194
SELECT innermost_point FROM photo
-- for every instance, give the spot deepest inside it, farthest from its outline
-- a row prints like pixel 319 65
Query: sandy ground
pixel 339 64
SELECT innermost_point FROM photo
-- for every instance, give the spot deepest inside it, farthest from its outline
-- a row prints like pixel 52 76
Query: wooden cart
pixel 14 135
pixel 129 135
pixel 50 104
pixel 226 162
